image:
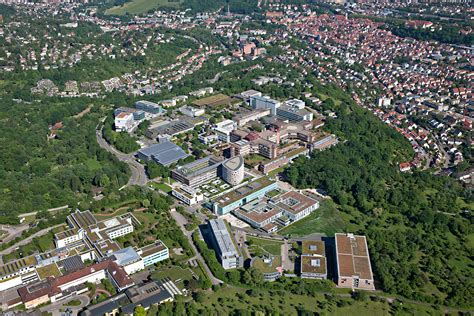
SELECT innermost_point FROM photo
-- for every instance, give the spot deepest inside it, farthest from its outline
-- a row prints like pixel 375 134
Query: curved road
pixel 29 239
pixel 56 306
pixel 181 220
pixel 138 176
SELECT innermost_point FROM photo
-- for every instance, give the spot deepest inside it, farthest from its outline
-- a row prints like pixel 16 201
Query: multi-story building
pixel 197 172
pixel 224 245
pixel 149 107
pixel 137 114
pixel 187 195
pixel 234 199
pixel 274 164
pixel 313 259
pixel 18 272
pixel 128 259
pixel 154 253
pixel 123 122
pixel 294 113
pixel 224 129
pixel 241 147
pixel 55 289
pixel 295 205
pixel 165 153
pixel 191 112
pixel 353 262
pixel 69 236
pixel 258 102
pixel 246 95
pixel 259 214
pixel 324 143
pixel 233 170
pixel 244 118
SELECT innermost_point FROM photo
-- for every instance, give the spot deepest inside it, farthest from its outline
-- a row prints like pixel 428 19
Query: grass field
pixel 174 273
pixel 93 164
pixel 142 6
pixel 228 299
pixel 262 246
pixel 324 220
pixel 161 186
pixel 214 100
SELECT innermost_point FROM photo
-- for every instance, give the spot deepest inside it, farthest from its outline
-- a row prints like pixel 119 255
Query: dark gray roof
pixel 72 264
pixel 106 306
pixel 154 293
pixel 165 153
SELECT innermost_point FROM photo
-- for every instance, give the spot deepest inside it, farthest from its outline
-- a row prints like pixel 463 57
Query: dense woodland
pixel 38 173
pixel 412 219
pixel 448 34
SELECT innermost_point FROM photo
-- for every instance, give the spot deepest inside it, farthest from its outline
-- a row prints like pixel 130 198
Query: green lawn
pixel 227 300
pixel 174 273
pixel 261 246
pixel 161 186
pixel 325 220
pixel 141 6
pixel 93 164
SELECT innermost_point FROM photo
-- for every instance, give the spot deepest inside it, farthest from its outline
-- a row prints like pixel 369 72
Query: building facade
pixel 187 195
pixel 258 102
pixel 154 253
pixel 233 170
pixel 353 262
pixel 224 245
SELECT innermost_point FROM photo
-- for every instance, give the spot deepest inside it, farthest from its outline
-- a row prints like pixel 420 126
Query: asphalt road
pixel 56 306
pixel 181 221
pixel 28 239
pixel 138 176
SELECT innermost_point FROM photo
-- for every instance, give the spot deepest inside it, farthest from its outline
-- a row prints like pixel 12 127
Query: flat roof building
pixel 294 113
pixel 242 195
pixel 197 172
pixel 187 195
pixel 154 253
pixel 313 259
pixel 258 213
pixel 149 107
pixel 233 170
pixel 296 205
pixel 224 245
pixel 353 262
pixel 165 153
pixel 259 102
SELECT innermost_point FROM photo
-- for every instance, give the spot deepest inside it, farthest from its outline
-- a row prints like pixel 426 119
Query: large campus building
pixel 54 289
pixel 258 102
pixel 165 153
pixel 283 209
pixel 313 259
pixel 353 262
pixel 149 107
pixel 61 272
pixel 234 199
pixel 233 170
pixel 187 195
pixel 197 172
pixel 224 244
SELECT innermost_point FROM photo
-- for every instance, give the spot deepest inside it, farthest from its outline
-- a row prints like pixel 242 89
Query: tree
pixel 360 295
pixel 139 311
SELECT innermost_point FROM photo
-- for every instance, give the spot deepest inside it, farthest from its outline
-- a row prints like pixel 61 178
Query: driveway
pixel 55 307
pixel 138 176
pixel 29 239
pixel 188 234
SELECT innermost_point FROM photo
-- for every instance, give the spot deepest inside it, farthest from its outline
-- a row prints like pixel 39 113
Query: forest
pixel 448 34
pixel 416 219
pixel 39 172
